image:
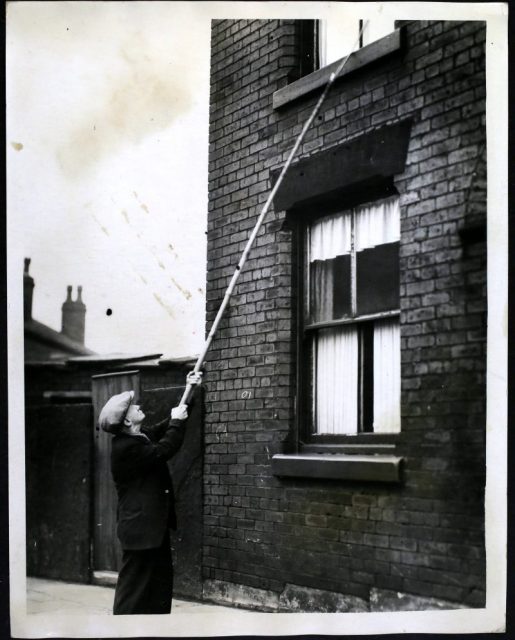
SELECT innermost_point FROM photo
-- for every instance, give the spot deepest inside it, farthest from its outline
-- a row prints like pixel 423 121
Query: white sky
pixel 107 157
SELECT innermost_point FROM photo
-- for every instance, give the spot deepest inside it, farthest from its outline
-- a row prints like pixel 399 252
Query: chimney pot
pixel 74 316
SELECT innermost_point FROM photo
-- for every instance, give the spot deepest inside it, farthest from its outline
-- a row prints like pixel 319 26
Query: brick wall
pixel 424 537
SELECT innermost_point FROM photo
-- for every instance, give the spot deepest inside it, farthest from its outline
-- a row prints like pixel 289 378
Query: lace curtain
pixel 336 372
pixel 387 376
pixel 377 223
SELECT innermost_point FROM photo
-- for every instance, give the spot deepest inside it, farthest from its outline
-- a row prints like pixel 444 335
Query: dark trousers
pixel 145 581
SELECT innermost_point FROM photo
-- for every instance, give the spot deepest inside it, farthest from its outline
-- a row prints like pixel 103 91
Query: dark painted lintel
pixel 360 165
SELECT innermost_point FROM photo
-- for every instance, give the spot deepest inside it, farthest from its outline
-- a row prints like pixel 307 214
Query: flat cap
pixel 113 413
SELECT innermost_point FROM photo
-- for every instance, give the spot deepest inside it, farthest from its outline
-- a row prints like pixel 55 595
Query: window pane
pixel 377 256
pixel 377 279
pixel 336 375
pixel 330 237
pixel 329 269
pixel 377 223
pixel 387 376
pixel 366 373
pixel 377 28
pixel 330 293
pixel 339 35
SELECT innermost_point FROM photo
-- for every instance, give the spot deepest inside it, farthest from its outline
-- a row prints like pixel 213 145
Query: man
pixel 146 510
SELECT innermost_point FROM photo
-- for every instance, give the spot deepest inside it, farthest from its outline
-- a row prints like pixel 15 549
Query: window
pixel 322 44
pixel 339 36
pixel 350 327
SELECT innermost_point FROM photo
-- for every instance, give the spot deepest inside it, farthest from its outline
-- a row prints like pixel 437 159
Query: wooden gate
pixel 106 553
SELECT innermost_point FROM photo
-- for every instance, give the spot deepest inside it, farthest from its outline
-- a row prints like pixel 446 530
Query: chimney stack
pixel 28 289
pixel 74 316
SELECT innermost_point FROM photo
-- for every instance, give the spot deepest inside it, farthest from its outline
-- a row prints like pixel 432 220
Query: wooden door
pixel 106 555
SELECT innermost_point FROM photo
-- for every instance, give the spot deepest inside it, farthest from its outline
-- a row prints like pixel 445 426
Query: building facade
pixel 344 464
pixel 44 344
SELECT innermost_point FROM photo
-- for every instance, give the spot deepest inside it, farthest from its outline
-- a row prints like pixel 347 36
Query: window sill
pixel 338 466
pixel 358 59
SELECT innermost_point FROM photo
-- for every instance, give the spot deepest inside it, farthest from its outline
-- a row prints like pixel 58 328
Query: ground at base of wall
pixel 300 599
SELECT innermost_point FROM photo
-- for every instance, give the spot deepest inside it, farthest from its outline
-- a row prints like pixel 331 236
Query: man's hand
pixel 194 378
pixel 180 412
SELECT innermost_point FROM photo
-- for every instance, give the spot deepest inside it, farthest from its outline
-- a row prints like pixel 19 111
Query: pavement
pixel 53 596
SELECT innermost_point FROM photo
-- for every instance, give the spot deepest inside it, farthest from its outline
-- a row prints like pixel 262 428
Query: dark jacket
pixel 146 505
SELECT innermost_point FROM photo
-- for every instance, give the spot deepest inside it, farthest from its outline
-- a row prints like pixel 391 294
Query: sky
pixel 107 160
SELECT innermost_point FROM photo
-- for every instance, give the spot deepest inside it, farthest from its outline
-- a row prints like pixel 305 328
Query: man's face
pixel 135 415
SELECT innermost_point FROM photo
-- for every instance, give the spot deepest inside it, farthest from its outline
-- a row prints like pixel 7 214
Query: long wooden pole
pixel 262 215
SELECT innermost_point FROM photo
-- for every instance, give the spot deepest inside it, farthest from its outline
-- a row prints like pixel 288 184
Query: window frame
pixel 308 441
pixel 321 41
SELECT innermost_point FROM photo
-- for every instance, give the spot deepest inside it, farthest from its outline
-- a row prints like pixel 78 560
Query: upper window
pixel 351 321
pixel 339 36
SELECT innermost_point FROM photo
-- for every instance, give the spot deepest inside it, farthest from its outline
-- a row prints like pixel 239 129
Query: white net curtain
pixel 329 251
pixel 377 223
pixel 387 376
pixel 336 363
pixel 336 380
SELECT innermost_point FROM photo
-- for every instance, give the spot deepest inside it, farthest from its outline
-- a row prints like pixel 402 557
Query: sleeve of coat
pixel 156 431
pixel 144 455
